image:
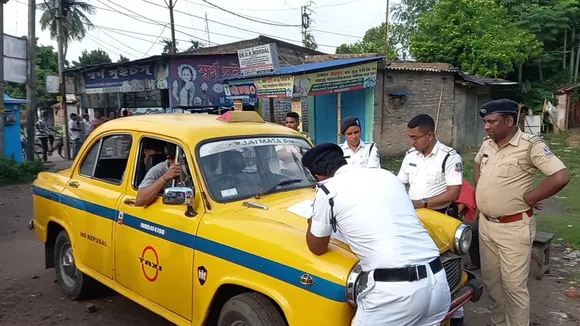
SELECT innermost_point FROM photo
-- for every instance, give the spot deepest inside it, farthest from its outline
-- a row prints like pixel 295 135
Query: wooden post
pixel 272 118
pixel 338 116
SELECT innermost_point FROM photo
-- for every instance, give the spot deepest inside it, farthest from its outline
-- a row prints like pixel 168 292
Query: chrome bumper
pixel 31 225
pixel 472 291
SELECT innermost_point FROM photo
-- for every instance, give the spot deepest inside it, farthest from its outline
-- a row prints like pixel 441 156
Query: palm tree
pixel 75 24
pixel 311 42
pixel 195 45
pixel 168 47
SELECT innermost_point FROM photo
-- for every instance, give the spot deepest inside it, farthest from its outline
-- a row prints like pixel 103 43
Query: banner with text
pixel 337 80
pixel 274 87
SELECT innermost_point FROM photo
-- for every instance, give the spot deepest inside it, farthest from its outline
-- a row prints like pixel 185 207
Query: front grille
pixel 452 266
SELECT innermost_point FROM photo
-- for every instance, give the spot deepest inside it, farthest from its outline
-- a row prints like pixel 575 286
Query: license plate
pixel 446 322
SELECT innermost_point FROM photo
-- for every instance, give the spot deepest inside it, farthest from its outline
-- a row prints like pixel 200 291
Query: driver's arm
pixel 154 181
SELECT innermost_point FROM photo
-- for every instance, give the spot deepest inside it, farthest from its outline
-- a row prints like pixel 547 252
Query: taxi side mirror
pixel 178 196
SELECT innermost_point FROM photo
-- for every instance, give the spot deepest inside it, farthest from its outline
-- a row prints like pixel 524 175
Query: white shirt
pixel 376 218
pixel 364 156
pixel 424 174
pixel 75 134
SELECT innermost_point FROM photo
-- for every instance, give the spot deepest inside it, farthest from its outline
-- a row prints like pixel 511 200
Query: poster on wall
pixel 130 78
pixel 195 81
pixel 336 80
pixel 274 87
pixel 245 92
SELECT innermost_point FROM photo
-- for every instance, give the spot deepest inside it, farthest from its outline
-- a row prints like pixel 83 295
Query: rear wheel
pixel 250 309
pixel 73 283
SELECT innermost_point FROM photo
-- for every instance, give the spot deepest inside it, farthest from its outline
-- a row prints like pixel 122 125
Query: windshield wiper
pixel 279 184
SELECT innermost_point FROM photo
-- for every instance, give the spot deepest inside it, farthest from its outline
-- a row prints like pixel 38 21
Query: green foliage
pixel 406 13
pixel 94 57
pixel 372 42
pixel 168 46
pixel 123 58
pixel 476 35
pixel 11 172
pixel 311 42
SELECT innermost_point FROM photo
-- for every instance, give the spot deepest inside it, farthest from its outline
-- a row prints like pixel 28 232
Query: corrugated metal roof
pixel 421 66
pixel 308 67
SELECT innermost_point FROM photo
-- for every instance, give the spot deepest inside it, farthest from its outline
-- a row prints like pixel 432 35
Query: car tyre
pixel 73 283
pixel 250 309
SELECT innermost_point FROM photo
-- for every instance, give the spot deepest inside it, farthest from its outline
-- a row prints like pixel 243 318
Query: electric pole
pixel 171 5
pixel 60 38
pixel 207 30
pixel 387 32
pixel 31 89
pixel 305 12
pixel 2 3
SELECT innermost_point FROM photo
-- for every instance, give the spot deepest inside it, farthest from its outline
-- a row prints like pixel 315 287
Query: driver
pixel 158 178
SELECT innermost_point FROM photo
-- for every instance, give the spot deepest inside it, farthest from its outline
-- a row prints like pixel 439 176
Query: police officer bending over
pixel 433 171
pixel 356 151
pixel 404 282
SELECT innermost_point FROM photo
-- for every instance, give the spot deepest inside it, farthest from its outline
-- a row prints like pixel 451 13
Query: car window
pixel 107 159
pixel 240 168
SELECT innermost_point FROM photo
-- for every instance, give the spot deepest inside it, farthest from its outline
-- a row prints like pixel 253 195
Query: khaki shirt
pixel 507 173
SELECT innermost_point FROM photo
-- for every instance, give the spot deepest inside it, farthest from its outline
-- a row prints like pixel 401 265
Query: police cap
pixel 317 152
pixel 498 106
pixel 348 122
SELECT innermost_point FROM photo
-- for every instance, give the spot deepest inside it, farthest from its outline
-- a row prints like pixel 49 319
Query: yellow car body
pixel 187 267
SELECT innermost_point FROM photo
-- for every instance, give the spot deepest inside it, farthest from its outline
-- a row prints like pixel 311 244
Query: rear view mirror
pixel 178 196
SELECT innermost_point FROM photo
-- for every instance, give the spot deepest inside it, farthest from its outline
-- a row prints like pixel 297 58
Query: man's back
pixel 377 219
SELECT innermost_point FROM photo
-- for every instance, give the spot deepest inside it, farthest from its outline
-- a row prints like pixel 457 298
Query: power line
pixel 242 9
pixel 249 17
pixel 334 33
pixel 121 42
pixel 154 42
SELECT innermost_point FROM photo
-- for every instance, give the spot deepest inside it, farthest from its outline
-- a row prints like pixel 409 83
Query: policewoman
pixel 356 151
pixel 504 172
pixel 434 173
pixel 403 280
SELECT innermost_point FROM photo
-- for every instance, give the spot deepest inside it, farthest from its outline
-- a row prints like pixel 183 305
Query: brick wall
pixel 391 117
pixel 283 106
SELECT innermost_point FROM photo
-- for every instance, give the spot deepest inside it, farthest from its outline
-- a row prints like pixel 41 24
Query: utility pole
pixel 171 5
pixel 60 38
pixel 305 12
pixel 207 30
pixel 387 32
pixel 2 3
pixel 31 89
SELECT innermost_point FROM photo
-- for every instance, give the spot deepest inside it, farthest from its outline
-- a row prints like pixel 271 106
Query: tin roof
pixel 420 66
pixel 307 68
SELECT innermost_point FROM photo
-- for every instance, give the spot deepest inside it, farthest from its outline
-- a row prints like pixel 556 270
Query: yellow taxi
pixel 223 244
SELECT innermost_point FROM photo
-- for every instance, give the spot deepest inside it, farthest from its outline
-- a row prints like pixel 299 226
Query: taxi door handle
pixel 129 201
pixel 74 184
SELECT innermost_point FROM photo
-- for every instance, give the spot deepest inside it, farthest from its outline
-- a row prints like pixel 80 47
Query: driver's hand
pixel 173 172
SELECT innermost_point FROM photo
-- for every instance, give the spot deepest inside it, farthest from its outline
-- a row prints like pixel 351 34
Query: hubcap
pixel 68 270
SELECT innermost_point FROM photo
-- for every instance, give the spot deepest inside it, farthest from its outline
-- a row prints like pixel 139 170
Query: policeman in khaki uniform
pixel 504 172
pixel 356 151
pixel 434 173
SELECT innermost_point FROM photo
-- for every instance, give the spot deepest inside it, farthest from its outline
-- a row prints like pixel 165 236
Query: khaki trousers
pixel 506 250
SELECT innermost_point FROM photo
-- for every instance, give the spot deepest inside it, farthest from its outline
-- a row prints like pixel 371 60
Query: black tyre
pixel 250 309
pixel 73 283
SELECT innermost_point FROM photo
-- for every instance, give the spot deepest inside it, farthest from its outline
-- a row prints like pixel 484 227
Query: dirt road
pixel 29 294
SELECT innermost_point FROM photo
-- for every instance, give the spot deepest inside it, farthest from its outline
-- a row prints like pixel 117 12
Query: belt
pixel 407 274
pixel 509 218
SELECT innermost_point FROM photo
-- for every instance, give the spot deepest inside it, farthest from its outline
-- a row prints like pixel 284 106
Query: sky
pixel 135 28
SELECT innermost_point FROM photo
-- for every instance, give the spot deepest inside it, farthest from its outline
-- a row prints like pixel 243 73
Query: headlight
pixel 351 284
pixel 462 239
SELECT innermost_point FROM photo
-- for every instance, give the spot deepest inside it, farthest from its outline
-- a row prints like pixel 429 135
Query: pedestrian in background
pixel 43 134
pixel 75 129
pixel 504 172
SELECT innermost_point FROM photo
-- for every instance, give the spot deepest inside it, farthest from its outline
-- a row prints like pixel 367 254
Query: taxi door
pixel 91 196
pixel 154 246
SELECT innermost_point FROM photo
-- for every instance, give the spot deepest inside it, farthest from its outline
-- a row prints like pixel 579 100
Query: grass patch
pixel 569 197
pixel 12 172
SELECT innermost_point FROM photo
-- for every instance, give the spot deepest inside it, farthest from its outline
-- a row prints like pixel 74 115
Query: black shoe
pixel 457 322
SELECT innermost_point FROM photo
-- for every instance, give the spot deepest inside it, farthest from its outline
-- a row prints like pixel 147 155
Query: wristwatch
pixel 425 201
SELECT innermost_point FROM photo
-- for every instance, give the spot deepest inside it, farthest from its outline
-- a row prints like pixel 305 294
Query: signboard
pixel 195 81
pixel 259 59
pixel 15 59
pixel 52 84
pixel 131 78
pixel 244 92
pixel 337 80
pixel 274 87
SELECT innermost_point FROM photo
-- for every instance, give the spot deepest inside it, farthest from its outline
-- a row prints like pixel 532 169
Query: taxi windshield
pixel 239 168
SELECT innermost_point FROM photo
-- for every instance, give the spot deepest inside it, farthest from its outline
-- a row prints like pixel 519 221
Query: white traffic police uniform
pixel 426 175
pixel 366 155
pixel 376 218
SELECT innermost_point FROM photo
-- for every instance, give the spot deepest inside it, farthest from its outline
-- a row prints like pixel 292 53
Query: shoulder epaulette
pixel 531 138
pixel 411 150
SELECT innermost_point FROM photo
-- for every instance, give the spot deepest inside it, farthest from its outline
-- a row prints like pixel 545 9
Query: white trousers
pixel 421 303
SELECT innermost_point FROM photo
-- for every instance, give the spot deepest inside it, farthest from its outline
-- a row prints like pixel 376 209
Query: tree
pixel 372 42
pixel 406 13
pixel 168 46
pixel 195 45
pixel 123 58
pixel 46 64
pixel 94 57
pixel 476 35
pixel 311 42
pixel 75 25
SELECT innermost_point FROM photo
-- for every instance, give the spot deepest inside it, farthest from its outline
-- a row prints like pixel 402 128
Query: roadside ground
pixel 29 294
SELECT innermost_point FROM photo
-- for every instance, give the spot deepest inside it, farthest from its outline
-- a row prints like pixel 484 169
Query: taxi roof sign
pixel 241 116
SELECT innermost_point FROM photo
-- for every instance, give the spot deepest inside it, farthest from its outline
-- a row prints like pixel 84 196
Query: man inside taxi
pixel 158 177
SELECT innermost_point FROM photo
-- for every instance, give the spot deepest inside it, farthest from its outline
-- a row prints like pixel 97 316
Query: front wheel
pixel 250 309
pixel 73 283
